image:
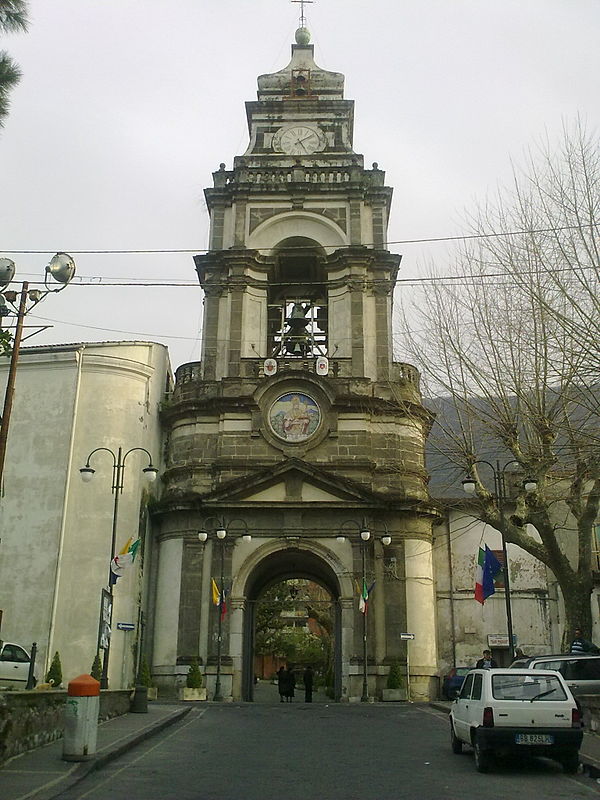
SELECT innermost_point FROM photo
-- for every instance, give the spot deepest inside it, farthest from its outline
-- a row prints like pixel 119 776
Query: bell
pixel 297 314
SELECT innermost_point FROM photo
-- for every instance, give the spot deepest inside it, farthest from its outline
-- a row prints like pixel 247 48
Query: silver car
pixel 580 671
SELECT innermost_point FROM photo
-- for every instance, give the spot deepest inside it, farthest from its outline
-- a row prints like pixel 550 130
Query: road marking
pixel 113 775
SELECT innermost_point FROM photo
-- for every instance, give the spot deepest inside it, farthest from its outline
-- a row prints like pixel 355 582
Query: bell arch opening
pixel 297 300
pixel 291 568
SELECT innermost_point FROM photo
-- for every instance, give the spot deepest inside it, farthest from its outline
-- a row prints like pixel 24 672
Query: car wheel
pixel 455 743
pixel 570 762
pixel 483 758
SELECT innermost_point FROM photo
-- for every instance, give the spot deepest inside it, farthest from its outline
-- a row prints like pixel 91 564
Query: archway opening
pixel 292 618
pixel 297 312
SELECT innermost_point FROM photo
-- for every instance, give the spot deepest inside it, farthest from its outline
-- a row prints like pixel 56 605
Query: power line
pixel 332 247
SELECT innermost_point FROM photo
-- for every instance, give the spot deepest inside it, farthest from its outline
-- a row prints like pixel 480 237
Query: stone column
pixel 420 618
pixel 166 618
pixel 347 643
pixel 236 643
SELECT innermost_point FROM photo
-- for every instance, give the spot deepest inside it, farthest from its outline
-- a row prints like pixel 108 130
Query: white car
pixel 14 665
pixel 507 711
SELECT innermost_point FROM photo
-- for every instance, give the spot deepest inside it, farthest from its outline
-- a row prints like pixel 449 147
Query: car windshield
pixel 462 671
pixel 527 687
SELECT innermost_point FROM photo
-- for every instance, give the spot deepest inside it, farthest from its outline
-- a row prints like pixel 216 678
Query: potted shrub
pixel 54 676
pixel 145 679
pixel 395 684
pixel 193 689
pixel 96 671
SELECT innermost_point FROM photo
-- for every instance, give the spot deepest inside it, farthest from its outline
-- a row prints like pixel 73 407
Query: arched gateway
pixel 297 426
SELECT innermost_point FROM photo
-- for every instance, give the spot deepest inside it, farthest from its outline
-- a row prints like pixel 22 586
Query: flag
pixel 488 567
pixel 223 604
pixel 216 595
pixel 363 602
pixel 123 559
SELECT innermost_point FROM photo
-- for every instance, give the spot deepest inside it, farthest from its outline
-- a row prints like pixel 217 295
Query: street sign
pixel 407 636
pixel 500 639
pixel 125 626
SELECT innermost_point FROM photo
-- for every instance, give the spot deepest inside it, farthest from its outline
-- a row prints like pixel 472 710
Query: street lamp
pixel 470 485
pixel 118 473
pixel 61 269
pixel 220 529
pixel 365 535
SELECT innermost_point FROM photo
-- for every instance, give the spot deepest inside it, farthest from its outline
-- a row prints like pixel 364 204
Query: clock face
pixel 299 140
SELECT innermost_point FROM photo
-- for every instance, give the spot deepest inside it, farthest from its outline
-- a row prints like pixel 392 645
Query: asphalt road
pixel 317 752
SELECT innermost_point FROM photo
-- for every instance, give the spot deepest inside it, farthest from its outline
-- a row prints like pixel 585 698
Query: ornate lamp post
pixel 218 526
pixel 118 473
pixel 472 485
pixel 61 268
pixel 365 535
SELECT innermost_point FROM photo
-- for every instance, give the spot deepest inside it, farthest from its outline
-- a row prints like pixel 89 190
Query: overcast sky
pixel 126 107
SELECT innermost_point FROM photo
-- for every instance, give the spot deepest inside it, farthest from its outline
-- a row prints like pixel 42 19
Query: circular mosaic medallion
pixel 294 417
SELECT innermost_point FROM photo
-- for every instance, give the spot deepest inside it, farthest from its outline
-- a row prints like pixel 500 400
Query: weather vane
pixel 302 17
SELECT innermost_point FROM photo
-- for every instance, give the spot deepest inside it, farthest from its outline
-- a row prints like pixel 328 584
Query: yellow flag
pixel 215 592
pixel 126 546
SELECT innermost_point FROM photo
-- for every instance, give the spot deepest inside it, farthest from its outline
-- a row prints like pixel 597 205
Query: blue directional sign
pixel 125 626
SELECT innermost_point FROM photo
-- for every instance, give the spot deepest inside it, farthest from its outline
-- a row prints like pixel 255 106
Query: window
pixel 477 684
pixel 465 692
pixel 527 687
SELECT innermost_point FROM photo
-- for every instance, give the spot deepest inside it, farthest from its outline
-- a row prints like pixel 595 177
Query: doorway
pixel 292 615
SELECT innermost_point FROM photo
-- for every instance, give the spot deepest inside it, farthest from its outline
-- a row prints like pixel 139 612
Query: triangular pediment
pixel 292 481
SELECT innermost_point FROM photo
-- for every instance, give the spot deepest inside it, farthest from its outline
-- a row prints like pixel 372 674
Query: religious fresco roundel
pixel 294 417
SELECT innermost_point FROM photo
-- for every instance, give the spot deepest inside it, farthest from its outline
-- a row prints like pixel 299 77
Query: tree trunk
pixel 576 592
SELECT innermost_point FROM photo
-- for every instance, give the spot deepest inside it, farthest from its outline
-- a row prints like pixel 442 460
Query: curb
pixel 86 767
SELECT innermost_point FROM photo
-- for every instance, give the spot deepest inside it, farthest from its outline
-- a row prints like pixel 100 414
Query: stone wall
pixel 32 719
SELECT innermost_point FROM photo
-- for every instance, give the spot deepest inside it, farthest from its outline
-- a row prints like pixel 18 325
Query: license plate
pixel 533 738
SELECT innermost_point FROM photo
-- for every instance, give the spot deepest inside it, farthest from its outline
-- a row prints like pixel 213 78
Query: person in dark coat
pixel 281 683
pixel 487 662
pixel 308 684
pixel 289 683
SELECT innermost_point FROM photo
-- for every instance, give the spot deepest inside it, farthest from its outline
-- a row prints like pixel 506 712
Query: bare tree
pixel 512 348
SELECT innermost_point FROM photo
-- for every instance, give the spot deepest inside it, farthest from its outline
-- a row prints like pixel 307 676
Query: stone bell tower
pixel 297 423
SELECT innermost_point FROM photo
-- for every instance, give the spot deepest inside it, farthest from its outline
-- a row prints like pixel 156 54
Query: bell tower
pixel 297 423
pixel 315 279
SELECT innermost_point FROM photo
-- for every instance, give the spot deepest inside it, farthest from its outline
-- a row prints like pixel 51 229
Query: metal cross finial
pixel 302 17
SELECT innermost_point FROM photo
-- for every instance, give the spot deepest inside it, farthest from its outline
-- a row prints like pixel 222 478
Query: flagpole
pixel 221 530
pixel 365 534
pixel 472 486
pixel 218 695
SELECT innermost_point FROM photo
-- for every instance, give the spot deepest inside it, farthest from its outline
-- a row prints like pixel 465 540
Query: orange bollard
pixel 81 719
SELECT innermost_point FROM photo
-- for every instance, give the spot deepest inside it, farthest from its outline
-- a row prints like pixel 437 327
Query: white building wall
pixel 464 624
pixel 56 530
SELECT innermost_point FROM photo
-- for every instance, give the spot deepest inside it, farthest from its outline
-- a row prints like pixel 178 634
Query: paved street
pixel 316 752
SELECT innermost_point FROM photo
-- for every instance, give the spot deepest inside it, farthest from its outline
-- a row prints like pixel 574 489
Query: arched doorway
pixel 275 567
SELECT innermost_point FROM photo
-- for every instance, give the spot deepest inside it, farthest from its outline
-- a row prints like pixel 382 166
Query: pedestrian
pixel 581 645
pixel 520 654
pixel 281 683
pixel 289 683
pixel 308 684
pixel 487 662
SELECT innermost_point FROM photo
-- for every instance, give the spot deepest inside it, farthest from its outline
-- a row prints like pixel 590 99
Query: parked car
pixel 453 681
pixel 14 665
pixel 581 671
pixel 516 711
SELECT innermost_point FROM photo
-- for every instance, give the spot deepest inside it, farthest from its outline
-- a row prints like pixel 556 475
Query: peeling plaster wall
pixel 464 624
pixel 55 530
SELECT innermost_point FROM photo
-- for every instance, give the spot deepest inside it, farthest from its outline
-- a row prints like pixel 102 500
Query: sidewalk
pixel 42 774
pixel 589 752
